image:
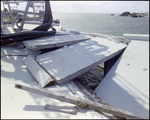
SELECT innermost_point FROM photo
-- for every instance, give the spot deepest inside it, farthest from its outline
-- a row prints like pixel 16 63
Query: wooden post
pixel 80 103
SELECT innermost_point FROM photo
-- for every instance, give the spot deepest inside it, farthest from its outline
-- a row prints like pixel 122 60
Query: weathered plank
pixel 79 102
pixel 54 41
pixel 69 62
pixel 85 94
pixel 66 109
pixel 38 72
pixel 126 86
pixel 77 93
pixel 73 88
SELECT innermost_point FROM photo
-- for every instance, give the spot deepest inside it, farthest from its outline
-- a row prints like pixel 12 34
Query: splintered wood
pixel 79 102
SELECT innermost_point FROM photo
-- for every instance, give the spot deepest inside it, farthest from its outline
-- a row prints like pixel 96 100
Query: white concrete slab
pixel 53 41
pixel 99 35
pixel 38 72
pixel 8 50
pixel 18 104
pixel 126 86
pixel 137 36
pixel 14 70
pixel 31 52
pixel 71 61
pixel 7 29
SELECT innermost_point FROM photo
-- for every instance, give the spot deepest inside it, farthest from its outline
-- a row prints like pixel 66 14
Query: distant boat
pixel 112 14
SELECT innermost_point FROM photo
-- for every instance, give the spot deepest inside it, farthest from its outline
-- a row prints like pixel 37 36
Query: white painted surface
pixel 14 70
pixel 7 29
pixel 99 35
pixel 126 86
pixel 32 52
pixel 39 74
pixel 7 50
pixel 53 41
pixel 20 104
pixel 71 61
pixel 137 36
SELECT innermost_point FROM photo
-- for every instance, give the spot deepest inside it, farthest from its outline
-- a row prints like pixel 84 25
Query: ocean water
pixel 103 23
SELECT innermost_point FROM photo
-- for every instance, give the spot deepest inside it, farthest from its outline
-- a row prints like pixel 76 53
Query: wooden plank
pixel 55 95
pixel 81 92
pixel 126 86
pixel 80 103
pixel 64 88
pixel 38 72
pixel 65 109
pixel 72 61
pixel 93 97
pixel 73 88
pixel 53 41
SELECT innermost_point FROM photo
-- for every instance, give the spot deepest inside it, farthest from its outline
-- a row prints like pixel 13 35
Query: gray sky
pixel 98 6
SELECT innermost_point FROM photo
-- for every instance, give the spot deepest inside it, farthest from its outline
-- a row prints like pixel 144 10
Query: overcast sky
pixel 98 6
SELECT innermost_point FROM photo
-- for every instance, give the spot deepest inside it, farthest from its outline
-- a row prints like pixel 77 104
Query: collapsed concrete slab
pixel 58 40
pixel 126 86
pixel 39 74
pixel 69 62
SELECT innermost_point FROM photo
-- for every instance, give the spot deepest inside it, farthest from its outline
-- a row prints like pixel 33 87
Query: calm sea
pixel 103 23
